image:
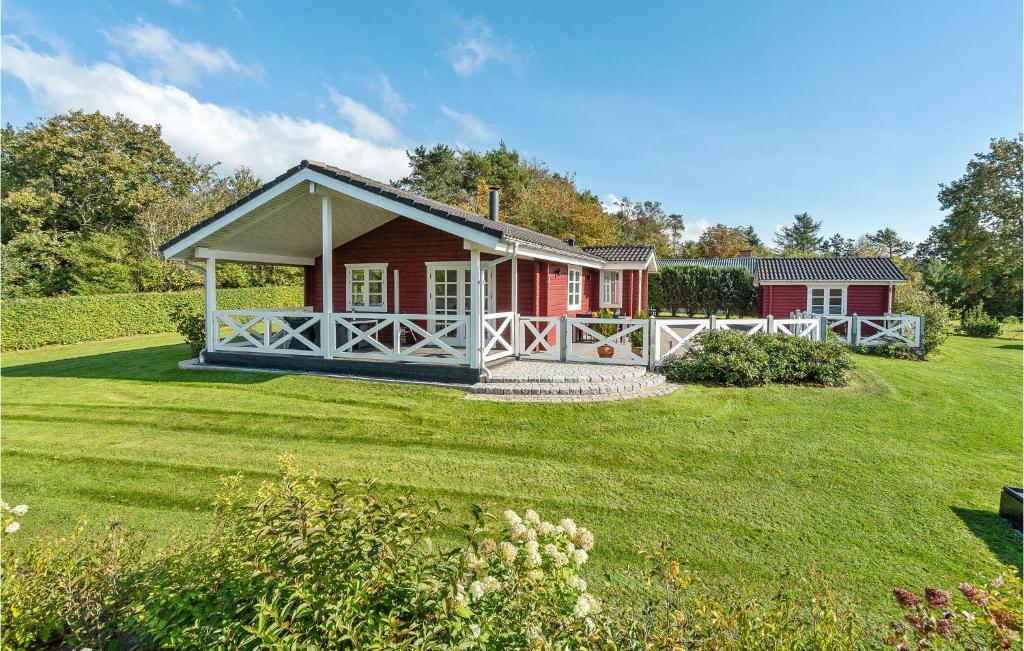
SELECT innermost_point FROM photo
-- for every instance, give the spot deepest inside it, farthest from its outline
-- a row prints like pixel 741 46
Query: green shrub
pixel 34 322
pixel 976 323
pixel 734 358
pixel 604 329
pixel 190 321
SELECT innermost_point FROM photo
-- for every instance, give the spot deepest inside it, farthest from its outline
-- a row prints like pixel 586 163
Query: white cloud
pixel 174 60
pixel 611 203
pixel 695 229
pixel 389 97
pixel 365 122
pixel 269 143
pixel 478 45
pixel 470 124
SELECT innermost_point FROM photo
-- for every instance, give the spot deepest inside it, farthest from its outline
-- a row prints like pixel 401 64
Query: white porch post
pixel 327 259
pixel 514 334
pixel 211 304
pixel 476 311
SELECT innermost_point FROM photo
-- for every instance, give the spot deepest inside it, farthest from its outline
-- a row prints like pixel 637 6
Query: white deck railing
pixel 888 329
pixel 586 336
pixel 540 337
pixel 427 338
pixel 267 331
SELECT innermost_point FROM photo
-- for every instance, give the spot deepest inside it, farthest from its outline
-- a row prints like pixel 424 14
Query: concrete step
pixel 585 387
pixel 547 372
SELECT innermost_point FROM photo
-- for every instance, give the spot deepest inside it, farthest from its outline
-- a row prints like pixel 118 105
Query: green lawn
pixel 892 480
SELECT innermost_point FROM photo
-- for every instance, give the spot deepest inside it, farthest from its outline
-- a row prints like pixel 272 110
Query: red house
pixel 839 286
pixel 401 278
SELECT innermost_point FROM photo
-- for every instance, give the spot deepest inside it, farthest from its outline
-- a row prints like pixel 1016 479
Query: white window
pixel 828 301
pixel 366 287
pixel 575 288
pixel 611 289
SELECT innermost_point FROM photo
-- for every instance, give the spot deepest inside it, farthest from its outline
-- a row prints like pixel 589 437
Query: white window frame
pixel 827 291
pixel 490 297
pixel 578 303
pixel 366 268
pixel 607 301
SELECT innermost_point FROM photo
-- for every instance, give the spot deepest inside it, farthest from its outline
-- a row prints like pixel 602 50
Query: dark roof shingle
pixel 621 252
pixel 750 264
pixel 500 229
pixel 842 269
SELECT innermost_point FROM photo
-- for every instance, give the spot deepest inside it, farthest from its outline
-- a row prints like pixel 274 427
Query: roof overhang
pixel 284 222
pixel 650 264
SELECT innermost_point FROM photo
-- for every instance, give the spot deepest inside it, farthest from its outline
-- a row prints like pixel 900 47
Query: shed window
pixel 611 289
pixel 366 286
pixel 575 288
pixel 827 301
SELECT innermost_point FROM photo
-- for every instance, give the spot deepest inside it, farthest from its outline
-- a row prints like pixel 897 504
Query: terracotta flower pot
pixel 604 351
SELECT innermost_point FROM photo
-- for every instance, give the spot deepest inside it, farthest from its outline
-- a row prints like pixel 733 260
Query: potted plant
pixel 604 351
pixel 636 337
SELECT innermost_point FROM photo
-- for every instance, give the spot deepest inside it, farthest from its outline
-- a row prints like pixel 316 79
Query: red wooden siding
pixel 780 300
pixel 407 246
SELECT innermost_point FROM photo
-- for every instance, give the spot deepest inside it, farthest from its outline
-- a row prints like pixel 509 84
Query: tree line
pixel 87 199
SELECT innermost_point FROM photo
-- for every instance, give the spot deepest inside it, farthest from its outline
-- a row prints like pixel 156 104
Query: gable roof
pixel 750 264
pixel 842 269
pixel 622 252
pixel 502 230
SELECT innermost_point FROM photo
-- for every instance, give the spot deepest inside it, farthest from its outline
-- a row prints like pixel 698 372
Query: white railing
pixel 498 330
pixel 585 340
pixel 674 336
pixel 267 331
pixel 427 338
pixel 540 337
pixel 888 329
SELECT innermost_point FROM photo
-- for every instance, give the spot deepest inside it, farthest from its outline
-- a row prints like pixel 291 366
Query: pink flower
pixel 905 598
pixel 945 629
pixel 936 598
pixel 976 596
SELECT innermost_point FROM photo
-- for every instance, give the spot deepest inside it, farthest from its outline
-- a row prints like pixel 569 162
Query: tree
pixel 440 174
pixel 642 223
pixel 801 237
pixel 553 205
pixel 837 245
pixel 753 238
pixel 676 226
pixel 890 242
pixel 79 171
pixel 721 241
pixel 978 243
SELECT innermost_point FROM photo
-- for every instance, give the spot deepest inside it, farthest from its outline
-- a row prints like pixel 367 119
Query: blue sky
pixel 733 112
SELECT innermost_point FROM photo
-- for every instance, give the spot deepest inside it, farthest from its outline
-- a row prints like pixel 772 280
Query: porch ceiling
pixel 289 225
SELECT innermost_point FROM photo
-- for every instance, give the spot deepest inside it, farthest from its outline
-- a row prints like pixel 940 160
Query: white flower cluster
pixel 586 604
pixel 477 589
pixel 19 510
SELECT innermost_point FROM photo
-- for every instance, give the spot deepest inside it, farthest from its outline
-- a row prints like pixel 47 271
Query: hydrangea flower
pixel 21 509
pixel 476 590
pixel 546 528
pixel 487 547
pixel 936 598
pixel 512 518
pixel 531 517
pixel 475 630
pixel 472 560
pixel 518 530
pixel 533 559
pixel 580 556
pixel 532 547
pixel 568 526
pixel 584 538
pixel 507 551
pixel 530 534
pixel 491 584
pixel 586 604
pixel 535 575
pixel 577 583
pixel 12 528
pixel 551 550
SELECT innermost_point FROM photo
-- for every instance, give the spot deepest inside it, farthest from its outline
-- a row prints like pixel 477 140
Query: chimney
pixel 494 202
pixel 571 241
pixel 746 253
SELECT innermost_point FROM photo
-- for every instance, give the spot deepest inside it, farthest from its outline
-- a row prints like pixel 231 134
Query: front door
pixel 448 294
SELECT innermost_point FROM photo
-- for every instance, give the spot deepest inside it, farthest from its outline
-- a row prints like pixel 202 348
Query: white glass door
pixel 448 294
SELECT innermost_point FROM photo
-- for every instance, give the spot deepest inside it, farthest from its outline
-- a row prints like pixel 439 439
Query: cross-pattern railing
pixel 540 337
pixel 400 337
pixel 674 336
pixel 587 336
pixel 268 331
pixel 888 329
pixel 498 330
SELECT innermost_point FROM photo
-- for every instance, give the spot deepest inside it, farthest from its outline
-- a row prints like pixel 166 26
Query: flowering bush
pixel 730 357
pixel 987 617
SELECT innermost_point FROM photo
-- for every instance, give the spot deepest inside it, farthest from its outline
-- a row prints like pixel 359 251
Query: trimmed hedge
pixel 34 322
